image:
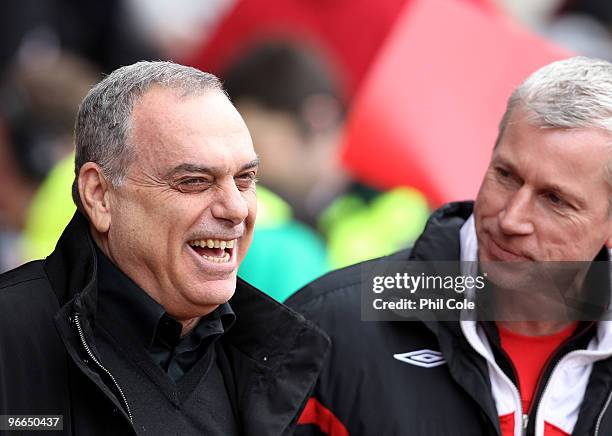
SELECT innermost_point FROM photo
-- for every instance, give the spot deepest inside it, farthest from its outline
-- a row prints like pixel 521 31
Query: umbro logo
pixel 424 358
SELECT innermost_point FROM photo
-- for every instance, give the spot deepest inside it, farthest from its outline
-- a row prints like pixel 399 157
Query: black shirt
pixel 152 327
pixel 160 372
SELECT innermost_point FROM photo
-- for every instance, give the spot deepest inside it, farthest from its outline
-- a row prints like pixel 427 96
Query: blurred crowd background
pixel 367 114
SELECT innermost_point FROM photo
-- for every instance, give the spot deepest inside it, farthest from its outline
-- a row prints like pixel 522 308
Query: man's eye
pixel 192 184
pixel 555 199
pixel 245 181
pixel 502 172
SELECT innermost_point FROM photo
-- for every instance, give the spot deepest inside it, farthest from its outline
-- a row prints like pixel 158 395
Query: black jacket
pixel 369 392
pixel 49 366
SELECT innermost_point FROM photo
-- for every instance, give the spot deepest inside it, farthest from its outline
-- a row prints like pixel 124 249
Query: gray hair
pixel 103 121
pixel 574 93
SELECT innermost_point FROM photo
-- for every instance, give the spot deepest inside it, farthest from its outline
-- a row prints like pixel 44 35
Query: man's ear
pixel 95 195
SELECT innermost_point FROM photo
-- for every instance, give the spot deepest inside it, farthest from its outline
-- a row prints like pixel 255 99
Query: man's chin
pixel 510 275
pixel 218 291
pixel 200 301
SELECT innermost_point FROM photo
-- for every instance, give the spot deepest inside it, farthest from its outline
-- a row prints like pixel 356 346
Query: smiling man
pixel 545 198
pixel 137 322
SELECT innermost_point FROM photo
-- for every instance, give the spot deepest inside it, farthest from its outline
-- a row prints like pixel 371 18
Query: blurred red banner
pixel 348 33
pixel 428 112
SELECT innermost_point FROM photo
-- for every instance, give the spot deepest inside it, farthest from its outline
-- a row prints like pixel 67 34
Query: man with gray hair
pixel 137 322
pixel 545 198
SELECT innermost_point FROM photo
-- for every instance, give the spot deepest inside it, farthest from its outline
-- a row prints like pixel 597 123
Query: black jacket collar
pixel 277 354
pixel 440 239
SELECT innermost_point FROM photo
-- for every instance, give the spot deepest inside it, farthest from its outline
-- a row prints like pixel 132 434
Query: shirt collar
pixel 129 307
pixel 213 325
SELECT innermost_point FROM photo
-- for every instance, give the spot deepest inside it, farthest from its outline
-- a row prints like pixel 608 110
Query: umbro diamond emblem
pixel 424 358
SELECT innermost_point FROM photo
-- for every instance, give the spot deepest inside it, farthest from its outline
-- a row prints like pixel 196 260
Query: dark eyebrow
pixel 249 166
pixel 194 168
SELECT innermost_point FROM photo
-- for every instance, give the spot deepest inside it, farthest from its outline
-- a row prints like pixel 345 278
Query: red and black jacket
pixel 364 390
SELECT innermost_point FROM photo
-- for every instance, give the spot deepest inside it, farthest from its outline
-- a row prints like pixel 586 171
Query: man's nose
pixel 516 217
pixel 230 204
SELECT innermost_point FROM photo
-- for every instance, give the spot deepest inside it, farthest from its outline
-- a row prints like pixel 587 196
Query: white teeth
pixel 213 243
pixel 223 259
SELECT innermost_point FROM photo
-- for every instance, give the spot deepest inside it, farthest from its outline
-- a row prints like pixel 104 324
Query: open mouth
pixel 214 250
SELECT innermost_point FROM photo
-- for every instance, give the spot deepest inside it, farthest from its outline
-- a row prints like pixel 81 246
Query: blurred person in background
pixel 50 53
pixel 348 32
pixel 291 100
pixel 293 108
pixel 37 106
pixel 290 105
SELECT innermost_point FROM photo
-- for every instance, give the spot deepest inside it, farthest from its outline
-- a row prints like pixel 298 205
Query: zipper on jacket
pixel 553 363
pixel 511 384
pixel 542 384
pixel 602 413
pixel 547 384
pixel 77 322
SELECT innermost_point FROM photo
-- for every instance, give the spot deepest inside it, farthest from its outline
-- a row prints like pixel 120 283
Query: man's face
pixel 192 185
pixel 544 196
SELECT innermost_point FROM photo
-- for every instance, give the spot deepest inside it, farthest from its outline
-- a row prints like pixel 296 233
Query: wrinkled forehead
pixel 161 109
pixel 201 129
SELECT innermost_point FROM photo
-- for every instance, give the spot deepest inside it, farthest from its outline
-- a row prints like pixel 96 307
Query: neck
pixel 540 310
pixel 188 325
